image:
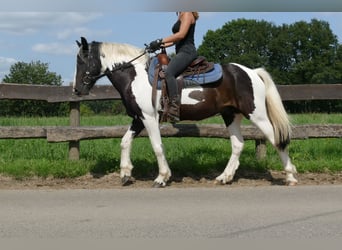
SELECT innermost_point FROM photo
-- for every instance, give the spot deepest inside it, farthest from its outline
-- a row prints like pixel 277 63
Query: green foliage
pixel 32 73
pixel 113 107
pixel 194 157
pixel 35 72
pixel 310 51
pixel 242 41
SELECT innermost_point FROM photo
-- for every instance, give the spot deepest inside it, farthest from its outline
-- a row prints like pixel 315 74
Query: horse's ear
pixel 78 43
pixel 84 43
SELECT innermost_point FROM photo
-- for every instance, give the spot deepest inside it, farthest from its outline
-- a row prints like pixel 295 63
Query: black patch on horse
pixel 244 90
pixel 122 76
pixel 94 62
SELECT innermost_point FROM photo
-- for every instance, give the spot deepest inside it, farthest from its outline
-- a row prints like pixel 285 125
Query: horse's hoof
pixel 223 182
pixel 292 183
pixel 218 182
pixel 127 180
pixel 157 185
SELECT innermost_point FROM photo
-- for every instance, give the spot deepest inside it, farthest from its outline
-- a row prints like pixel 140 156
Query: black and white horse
pixel 240 92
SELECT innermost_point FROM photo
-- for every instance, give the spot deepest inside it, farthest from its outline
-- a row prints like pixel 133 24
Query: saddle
pixel 199 66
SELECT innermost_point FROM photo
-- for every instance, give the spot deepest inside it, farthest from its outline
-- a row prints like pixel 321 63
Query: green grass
pixel 195 157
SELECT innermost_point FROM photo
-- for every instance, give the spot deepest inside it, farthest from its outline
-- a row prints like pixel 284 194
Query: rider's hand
pixel 155 45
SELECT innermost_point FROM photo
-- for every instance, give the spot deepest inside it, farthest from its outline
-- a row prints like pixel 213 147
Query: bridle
pixel 88 79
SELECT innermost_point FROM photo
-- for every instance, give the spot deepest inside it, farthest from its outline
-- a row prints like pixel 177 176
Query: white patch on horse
pixel 140 85
pixel 186 97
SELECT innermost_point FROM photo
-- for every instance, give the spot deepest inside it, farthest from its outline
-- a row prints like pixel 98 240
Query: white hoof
pixel 162 179
pixel 126 172
pixel 290 180
pixel 159 182
pixel 224 179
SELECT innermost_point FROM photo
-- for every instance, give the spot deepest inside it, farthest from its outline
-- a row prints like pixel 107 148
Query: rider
pixel 183 37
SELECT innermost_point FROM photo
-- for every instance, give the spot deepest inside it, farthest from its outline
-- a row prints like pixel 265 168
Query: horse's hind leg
pixel 126 165
pixel 152 127
pixel 264 124
pixel 237 143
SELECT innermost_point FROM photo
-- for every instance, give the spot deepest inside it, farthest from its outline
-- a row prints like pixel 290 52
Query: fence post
pixel 74 146
pixel 260 149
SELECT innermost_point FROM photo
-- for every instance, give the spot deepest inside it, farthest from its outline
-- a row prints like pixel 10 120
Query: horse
pixel 240 93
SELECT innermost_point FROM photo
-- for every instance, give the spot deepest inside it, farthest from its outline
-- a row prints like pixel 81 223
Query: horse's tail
pixel 276 111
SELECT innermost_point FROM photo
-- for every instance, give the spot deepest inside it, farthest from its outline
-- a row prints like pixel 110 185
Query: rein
pixel 127 64
pixel 122 66
pixel 88 79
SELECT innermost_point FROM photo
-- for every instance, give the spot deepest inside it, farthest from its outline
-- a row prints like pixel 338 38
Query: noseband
pixel 89 79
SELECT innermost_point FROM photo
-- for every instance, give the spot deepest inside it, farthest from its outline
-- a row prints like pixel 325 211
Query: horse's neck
pixel 113 54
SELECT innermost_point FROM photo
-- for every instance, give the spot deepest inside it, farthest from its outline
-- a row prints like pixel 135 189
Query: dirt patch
pixel 113 181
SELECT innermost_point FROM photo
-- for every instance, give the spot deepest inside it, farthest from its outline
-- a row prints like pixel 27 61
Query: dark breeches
pixel 176 66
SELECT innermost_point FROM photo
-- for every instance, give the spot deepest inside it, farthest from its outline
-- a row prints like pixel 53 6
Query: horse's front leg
pixel 152 127
pixel 126 165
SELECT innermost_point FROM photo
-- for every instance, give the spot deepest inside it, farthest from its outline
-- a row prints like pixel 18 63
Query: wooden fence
pixel 74 133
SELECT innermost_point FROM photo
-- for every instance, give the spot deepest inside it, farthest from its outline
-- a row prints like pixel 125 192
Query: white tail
pixel 276 111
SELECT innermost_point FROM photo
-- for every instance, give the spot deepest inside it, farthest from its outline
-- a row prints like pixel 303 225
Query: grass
pixel 195 157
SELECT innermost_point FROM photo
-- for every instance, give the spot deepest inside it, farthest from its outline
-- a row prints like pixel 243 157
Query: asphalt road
pixel 300 212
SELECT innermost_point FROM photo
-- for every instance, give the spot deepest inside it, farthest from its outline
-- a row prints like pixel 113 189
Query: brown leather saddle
pixel 199 66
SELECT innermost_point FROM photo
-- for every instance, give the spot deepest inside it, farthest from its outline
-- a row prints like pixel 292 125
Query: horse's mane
pixel 122 52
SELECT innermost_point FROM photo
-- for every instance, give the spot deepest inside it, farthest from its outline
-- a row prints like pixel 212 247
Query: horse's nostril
pixel 75 92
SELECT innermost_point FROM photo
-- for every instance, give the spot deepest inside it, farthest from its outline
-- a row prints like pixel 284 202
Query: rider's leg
pixel 176 66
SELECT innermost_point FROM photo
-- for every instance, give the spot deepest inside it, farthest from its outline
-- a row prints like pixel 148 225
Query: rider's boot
pixel 174 105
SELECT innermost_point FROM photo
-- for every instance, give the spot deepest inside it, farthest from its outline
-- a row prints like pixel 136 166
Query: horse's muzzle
pixel 84 91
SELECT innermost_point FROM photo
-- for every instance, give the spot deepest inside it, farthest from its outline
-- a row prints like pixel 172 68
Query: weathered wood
pixel 22 132
pixel 317 131
pixel 63 134
pixel 71 133
pixel 74 150
pixel 74 119
pixel 260 149
pixel 310 92
pixel 107 92
pixel 54 93
pixel 75 115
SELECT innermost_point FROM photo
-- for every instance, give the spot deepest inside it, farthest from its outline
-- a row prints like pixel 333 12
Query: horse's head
pixel 88 67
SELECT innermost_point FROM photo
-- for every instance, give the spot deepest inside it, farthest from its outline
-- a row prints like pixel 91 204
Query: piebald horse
pixel 240 92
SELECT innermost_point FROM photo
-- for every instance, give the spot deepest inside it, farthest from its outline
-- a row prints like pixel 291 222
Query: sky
pixel 49 36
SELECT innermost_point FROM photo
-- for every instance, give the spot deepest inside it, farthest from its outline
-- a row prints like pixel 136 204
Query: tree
pixel 242 41
pixel 307 53
pixel 32 73
pixel 311 54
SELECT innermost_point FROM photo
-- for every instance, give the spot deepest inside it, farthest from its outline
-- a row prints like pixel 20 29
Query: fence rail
pixel 74 133
pixel 99 92
pixel 71 133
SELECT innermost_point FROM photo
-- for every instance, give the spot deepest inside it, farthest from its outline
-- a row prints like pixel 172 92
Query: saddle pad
pixel 192 80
